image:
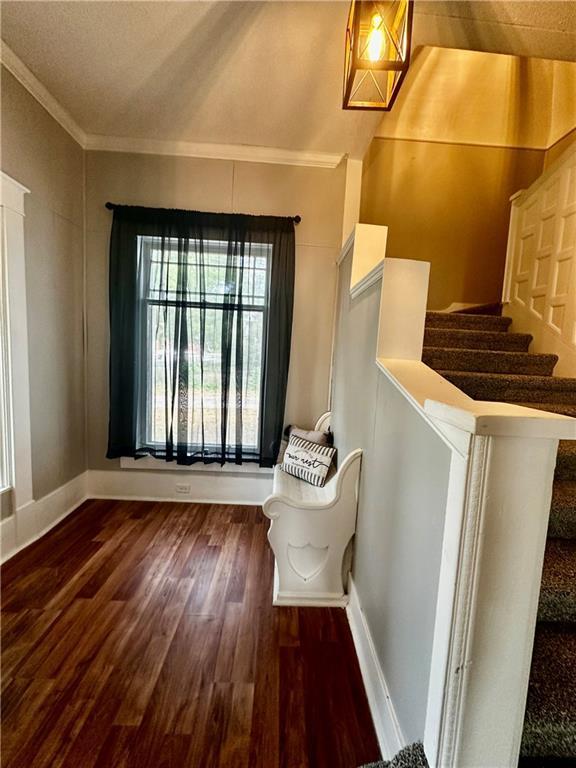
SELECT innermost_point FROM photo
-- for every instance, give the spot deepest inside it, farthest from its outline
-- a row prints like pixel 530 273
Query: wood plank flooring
pixel 142 634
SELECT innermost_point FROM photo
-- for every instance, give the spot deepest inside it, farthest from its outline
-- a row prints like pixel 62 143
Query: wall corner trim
pixel 368 280
pixel 388 730
pixel 12 193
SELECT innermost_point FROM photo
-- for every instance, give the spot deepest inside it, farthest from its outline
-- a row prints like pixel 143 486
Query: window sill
pixel 150 463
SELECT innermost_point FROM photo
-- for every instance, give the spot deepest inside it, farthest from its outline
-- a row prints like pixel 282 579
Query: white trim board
pixel 239 152
pixel 159 485
pixel 93 142
pixel 386 724
pixel 36 518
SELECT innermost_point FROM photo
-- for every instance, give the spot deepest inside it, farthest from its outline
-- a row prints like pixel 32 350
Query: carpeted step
pixel 487 361
pixel 412 756
pixel 482 309
pixel 550 721
pixel 558 591
pixel 566 460
pixel 562 523
pixel 563 408
pixel 507 387
pixel 467 321
pixel 455 338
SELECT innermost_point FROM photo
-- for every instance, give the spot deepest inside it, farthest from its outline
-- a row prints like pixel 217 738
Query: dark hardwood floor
pixel 141 634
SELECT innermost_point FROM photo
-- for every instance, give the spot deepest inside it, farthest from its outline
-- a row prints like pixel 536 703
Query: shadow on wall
pixel 191 71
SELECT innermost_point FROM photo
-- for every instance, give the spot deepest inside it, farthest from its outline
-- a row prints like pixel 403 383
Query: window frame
pixel 145 412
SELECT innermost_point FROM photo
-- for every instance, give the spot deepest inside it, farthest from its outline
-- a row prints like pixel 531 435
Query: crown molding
pixel 26 78
pixel 241 152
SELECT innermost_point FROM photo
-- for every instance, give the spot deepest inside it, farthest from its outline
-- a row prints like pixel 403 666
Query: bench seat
pixel 309 533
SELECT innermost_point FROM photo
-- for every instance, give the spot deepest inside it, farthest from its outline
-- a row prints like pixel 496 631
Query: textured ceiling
pixel 266 74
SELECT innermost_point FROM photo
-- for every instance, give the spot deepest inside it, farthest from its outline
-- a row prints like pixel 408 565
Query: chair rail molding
pixel 539 291
pixel 367 244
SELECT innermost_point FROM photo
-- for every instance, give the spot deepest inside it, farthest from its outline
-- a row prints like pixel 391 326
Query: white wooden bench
pixel 310 531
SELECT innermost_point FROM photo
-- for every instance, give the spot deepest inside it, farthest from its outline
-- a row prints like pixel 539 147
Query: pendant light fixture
pixel 377 52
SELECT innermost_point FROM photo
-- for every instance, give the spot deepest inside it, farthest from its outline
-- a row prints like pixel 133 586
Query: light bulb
pixel 376 41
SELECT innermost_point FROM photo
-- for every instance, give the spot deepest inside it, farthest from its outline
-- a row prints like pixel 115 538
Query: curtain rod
pixel 111 206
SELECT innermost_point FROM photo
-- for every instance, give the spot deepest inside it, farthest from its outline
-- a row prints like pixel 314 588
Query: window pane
pixel 200 369
pixel 210 275
pixel 187 296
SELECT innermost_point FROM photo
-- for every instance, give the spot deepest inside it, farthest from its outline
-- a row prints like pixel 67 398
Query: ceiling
pixel 244 73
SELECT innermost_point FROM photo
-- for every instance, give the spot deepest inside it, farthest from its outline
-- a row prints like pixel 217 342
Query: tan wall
pixel 473 97
pixel 563 109
pixel 447 204
pixel 218 185
pixel 38 153
pixel 554 152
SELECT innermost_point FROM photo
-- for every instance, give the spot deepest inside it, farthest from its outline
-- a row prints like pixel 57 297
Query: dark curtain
pixel 200 329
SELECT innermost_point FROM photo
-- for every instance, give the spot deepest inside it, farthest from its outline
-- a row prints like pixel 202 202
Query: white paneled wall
pixel 540 282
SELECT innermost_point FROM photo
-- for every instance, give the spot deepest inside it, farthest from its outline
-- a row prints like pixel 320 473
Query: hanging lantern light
pixel 377 53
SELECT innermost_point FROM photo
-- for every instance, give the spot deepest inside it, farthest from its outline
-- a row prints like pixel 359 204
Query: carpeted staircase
pixel 483 358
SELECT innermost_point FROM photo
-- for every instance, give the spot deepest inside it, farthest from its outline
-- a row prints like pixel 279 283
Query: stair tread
pixel 495 323
pixel 487 360
pixel 566 460
pixel 513 387
pixel 558 591
pixel 475 339
pixel 511 353
pixel 566 409
pixel 563 510
pixel 555 382
pixel 550 721
pixel 494 308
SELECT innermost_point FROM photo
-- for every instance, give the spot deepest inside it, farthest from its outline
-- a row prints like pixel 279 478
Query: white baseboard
pixel 36 518
pixel 388 731
pixel 210 488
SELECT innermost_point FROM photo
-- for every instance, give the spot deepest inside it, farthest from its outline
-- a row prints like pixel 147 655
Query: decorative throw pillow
pixel 315 436
pixel 307 460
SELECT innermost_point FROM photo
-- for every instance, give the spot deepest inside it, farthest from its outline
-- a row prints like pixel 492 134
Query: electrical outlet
pixel 182 488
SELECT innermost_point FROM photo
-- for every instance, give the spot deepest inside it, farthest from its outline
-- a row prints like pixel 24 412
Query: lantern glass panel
pixel 377 52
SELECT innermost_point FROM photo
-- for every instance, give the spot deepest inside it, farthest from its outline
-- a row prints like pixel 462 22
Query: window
pixel 200 331
pixel 214 288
